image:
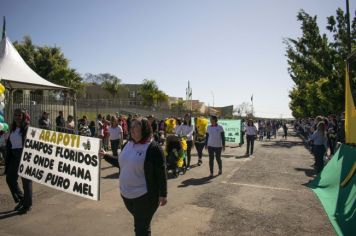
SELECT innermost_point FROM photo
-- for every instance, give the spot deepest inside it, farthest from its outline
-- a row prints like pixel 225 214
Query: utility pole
pixel 189 96
pixel 212 93
pixel 252 104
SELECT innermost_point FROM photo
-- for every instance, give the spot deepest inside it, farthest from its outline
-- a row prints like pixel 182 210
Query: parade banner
pixel 66 162
pixel 232 130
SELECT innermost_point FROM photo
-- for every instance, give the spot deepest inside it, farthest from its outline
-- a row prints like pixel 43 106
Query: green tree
pixel 111 83
pixel 317 66
pixel 93 78
pixel 243 109
pixel 49 63
pixel 151 94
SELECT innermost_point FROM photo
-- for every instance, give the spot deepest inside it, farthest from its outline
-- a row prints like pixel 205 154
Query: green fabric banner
pixel 336 189
pixel 232 130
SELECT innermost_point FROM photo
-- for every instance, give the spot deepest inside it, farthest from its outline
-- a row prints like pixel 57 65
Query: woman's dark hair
pixel 214 118
pixel 23 121
pixel 189 123
pixel 146 129
pixel 178 121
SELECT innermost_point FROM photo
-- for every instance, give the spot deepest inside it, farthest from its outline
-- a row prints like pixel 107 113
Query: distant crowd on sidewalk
pixel 322 135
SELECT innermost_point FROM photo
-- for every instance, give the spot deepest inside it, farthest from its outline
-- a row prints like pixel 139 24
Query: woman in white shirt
pixel 215 143
pixel 251 133
pixel 186 130
pixel 14 147
pixel 320 145
pixel 116 136
pixel 143 179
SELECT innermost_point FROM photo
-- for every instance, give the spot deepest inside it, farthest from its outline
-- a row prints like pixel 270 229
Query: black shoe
pixel 200 162
pixel 18 206
pixel 24 210
pixel 211 175
pixel 220 172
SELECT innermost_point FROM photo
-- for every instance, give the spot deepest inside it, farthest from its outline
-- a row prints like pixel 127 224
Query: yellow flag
pixel 350 113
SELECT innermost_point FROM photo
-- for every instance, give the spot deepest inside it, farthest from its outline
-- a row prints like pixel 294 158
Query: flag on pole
pixel 350 113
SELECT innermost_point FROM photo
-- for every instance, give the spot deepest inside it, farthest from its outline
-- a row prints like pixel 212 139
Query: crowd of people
pixel 322 135
pixel 142 162
pixel 151 145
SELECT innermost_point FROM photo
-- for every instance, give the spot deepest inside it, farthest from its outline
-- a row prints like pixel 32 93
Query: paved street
pixel 264 195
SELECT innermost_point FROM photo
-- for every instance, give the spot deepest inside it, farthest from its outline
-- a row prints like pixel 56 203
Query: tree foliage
pixel 243 109
pixel 317 65
pixel 93 78
pixel 49 63
pixel 151 94
pixel 112 84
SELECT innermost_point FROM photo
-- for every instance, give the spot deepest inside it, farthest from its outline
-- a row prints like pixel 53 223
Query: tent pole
pixel 9 107
pixel 75 112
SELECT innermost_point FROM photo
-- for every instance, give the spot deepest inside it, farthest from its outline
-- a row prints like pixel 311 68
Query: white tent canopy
pixel 17 74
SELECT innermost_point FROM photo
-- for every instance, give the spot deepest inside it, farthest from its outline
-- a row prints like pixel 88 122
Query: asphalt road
pixel 263 195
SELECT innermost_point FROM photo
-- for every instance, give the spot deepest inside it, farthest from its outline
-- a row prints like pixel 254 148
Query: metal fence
pixel 92 107
pixel 36 104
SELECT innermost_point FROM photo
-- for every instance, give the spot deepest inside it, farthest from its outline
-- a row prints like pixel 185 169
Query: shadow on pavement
pixel 241 156
pixel 222 155
pixel 308 172
pixel 108 167
pixel 194 166
pixel 281 144
pixel 8 214
pixel 195 182
pixel 112 176
pixel 111 160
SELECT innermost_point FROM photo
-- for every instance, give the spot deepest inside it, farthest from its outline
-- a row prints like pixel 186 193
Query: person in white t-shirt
pixel 99 126
pixel 251 133
pixel 116 136
pixel 215 143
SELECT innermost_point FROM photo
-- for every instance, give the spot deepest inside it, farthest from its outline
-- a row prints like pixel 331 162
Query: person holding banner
pixel 215 143
pixel 143 179
pixel 14 148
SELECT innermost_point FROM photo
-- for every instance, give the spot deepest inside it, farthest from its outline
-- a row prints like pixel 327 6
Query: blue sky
pixel 226 48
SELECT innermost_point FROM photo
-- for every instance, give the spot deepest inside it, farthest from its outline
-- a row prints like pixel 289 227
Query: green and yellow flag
pixel 350 113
